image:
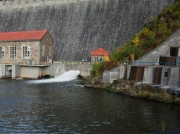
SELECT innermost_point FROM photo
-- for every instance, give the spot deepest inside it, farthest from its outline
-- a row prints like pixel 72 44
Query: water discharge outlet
pixel 66 76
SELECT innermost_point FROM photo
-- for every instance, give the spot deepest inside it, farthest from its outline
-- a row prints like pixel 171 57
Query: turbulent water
pixel 80 26
pixel 28 106
pixel 66 76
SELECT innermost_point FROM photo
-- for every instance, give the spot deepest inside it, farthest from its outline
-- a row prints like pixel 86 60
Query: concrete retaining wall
pixel 37 71
pixel 15 71
pixel 128 71
pixel 148 74
pixel 157 75
pixel 174 77
pixel 30 72
pixel 84 68
pixel 165 75
pixel 170 76
pixel 2 71
pixel 114 74
pixel 54 69
pixel 40 71
pixel 162 50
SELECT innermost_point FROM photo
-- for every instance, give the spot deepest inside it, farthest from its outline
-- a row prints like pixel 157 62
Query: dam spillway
pixel 78 26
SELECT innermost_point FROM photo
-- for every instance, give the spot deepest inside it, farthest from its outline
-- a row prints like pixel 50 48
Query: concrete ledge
pixel 34 65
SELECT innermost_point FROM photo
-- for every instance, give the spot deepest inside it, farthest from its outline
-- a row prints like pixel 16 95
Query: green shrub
pixel 95 69
pixel 99 67
pixel 115 55
pixel 107 66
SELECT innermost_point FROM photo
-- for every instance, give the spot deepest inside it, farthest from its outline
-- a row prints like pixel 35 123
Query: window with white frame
pixel 26 52
pixel 13 52
pixel 1 52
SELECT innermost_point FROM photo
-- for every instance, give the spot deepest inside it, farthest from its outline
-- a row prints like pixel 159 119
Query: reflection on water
pixel 68 107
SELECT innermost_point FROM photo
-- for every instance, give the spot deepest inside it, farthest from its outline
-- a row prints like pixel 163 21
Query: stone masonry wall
pixel 34 52
pixel 47 41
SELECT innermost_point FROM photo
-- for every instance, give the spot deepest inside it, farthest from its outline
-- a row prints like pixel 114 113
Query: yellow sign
pixel 131 57
pixel 106 58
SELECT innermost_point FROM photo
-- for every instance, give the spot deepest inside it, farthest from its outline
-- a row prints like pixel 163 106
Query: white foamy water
pixel 66 76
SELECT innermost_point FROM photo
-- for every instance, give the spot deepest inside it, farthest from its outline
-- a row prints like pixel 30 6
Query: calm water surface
pixel 67 107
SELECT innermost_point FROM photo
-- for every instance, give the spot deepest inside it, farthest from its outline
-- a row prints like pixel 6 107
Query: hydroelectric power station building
pixel 25 54
pixel 26 47
pixel 29 54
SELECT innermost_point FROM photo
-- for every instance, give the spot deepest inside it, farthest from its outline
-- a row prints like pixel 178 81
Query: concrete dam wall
pixel 78 26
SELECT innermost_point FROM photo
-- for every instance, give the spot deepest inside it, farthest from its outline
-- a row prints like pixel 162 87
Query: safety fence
pixel 73 62
pixel 177 64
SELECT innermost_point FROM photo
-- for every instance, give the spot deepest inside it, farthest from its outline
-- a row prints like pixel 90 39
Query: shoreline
pixel 162 93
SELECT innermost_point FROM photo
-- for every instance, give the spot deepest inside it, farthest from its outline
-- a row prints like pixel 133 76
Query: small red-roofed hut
pixel 99 54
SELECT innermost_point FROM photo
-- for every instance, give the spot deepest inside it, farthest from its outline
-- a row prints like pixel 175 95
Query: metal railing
pixel 156 63
pixel 72 62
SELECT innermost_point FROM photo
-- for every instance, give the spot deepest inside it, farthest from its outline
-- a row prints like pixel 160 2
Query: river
pixel 62 106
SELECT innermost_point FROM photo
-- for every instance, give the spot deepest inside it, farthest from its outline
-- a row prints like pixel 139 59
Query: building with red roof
pixel 99 54
pixel 21 47
pixel 22 35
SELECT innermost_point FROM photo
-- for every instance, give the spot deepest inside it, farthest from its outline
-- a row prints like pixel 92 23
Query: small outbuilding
pixel 99 54
pixel 26 47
